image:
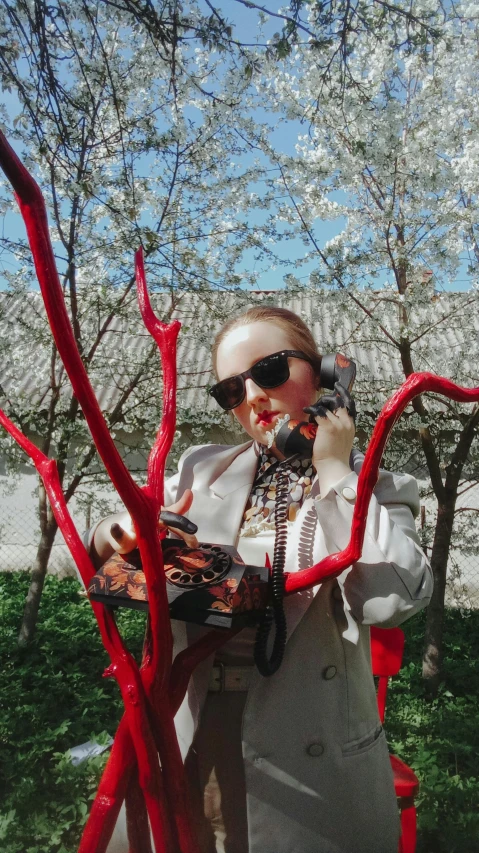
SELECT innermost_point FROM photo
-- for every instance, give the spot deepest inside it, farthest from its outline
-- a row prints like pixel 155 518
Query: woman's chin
pixel 264 431
pixel 259 432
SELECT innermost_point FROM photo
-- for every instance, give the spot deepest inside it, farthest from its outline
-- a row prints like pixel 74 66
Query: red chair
pixel 387 645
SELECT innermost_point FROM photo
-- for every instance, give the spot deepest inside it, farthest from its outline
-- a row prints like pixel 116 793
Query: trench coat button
pixel 315 749
pixel 329 672
pixel 348 493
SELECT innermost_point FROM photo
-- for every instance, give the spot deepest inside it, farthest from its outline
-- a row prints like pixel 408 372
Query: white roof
pixel 450 347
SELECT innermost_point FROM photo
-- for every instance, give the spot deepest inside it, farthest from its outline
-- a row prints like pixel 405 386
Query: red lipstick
pixel 266 417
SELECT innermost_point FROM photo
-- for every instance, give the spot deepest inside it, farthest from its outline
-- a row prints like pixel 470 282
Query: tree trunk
pixel 48 527
pixel 433 651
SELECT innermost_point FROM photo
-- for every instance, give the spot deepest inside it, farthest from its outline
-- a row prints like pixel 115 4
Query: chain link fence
pixel 20 533
pixel 19 538
pixel 20 527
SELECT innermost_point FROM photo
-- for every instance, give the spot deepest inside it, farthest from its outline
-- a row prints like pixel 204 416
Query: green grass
pixel 440 739
pixel 53 697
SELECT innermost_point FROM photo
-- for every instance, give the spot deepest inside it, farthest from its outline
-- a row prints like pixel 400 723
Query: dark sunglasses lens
pixel 230 392
pixel 271 371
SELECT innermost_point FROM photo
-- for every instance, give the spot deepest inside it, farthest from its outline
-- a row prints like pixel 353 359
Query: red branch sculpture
pixel 145 768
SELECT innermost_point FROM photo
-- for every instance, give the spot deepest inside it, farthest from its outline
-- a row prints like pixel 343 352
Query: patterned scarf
pixel 259 512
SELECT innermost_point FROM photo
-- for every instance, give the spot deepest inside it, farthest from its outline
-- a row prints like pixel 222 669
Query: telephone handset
pixel 337 373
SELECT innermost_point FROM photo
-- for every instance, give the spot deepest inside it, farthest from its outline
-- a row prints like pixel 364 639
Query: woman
pixel 313 764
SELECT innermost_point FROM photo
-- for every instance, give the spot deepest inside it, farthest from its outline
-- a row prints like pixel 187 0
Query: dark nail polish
pixel 117 531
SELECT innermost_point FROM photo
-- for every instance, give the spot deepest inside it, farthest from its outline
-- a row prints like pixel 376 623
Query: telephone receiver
pixel 297 437
pixel 337 368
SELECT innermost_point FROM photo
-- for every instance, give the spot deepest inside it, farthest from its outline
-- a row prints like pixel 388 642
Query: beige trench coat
pixel 316 761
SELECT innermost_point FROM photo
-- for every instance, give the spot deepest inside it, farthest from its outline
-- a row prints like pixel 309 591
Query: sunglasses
pixel 269 372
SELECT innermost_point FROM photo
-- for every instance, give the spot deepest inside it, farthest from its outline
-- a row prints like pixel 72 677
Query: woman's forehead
pixel 246 344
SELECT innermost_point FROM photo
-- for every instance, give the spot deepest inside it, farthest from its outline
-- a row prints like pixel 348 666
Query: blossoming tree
pixel 395 163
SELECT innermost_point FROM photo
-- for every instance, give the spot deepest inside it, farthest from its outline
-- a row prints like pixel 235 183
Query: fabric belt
pixel 223 678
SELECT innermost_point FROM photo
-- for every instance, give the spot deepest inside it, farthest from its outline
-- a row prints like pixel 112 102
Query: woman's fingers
pixel 127 542
pixel 341 399
pixel 183 504
pixel 181 526
pixel 346 399
pixel 317 410
pixel 125 539
pixel 341 419
pixel 179 522
pixel 334 437
pixel 188 538
pixel 179 508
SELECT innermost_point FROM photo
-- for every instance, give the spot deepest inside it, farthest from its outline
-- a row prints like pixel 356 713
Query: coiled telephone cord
pixel 274 613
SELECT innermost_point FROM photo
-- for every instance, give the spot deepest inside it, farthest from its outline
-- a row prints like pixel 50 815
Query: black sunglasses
pixel 269 372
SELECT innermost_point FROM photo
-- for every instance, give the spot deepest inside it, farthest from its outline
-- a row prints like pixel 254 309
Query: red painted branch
pixel 142 507
pixel 137 817
pixel 150 777
pixel 122 759
pixel 334 564
pixel 48 471
pixel 32 207
pixel 110 794
pixel 156 671
pixel 123 666
pixel 165 336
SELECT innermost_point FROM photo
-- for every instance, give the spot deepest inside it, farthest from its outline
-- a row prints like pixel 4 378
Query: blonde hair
pixel 297 331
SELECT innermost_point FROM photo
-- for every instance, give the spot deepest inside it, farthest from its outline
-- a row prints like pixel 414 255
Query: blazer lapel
pixel 239 473
pixel 219 500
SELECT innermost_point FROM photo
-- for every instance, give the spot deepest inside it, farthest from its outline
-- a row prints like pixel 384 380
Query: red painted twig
pixel 32 207
pixel 110 794
pixel 137 817
pixel 165 337
pixel 121 763
pixel 123 666
pixel 334 564
pixel 142 507
pixel 157 667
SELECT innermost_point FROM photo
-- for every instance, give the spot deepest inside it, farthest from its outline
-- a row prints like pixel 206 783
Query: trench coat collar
pixel 237 468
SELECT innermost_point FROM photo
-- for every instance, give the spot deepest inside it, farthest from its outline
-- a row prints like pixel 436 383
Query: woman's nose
pixel 254 392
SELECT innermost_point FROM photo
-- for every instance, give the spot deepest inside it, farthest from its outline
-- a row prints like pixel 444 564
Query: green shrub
pixel 54 697
pixel 440 739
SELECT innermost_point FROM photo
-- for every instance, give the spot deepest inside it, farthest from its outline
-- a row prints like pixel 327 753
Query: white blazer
pixel 316 759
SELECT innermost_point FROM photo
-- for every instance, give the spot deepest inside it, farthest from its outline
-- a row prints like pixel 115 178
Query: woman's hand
pixel 332 445
pixel 116 534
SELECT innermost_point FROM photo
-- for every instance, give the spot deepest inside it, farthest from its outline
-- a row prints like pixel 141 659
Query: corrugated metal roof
pixel 336 322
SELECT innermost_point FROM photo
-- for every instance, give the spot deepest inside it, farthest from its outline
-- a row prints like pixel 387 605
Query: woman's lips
pixel 266 418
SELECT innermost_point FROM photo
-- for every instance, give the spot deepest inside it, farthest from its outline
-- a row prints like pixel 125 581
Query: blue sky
pixel 285 136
